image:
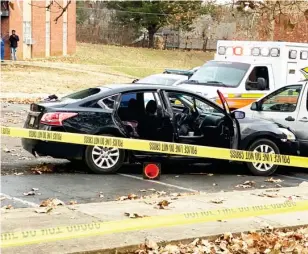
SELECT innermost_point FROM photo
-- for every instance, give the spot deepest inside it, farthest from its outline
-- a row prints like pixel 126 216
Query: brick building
pixel 39 35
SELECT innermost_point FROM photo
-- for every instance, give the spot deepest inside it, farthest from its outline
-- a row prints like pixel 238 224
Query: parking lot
pixel 72 183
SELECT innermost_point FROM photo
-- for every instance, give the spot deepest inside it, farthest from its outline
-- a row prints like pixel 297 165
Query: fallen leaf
pixel 161 193
pixel 46 168
pixel 57 202
pixel 43 210
pixel 269 195
pixel 132 196
pixel 51 203
pixel 150 244
pixel 134 215
pixel 272 180
pixel 8 207
pixel 268 240
pixel 246 185
pixel 195 242
pixel 18 174
pixel 163 204
pixel 217 201
pixel 30 193
pixel 6 150
pixel 122 198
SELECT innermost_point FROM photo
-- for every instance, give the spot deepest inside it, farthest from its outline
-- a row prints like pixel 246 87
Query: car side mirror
pixel 239 114
pixel 261 83
pixel 254 106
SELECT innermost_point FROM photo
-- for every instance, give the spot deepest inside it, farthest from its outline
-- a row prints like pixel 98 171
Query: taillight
pixel 56 118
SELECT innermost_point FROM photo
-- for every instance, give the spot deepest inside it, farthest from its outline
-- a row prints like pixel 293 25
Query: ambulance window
pixel 257 72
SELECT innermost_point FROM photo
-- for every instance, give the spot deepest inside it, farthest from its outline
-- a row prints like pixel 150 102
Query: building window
pixel 27 30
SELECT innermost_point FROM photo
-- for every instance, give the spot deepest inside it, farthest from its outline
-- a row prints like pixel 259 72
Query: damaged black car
pixel 150 112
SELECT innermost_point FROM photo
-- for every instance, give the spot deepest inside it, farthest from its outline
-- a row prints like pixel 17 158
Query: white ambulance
pixel 247 70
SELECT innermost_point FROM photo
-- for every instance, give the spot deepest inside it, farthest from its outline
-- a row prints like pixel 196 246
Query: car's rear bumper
pixel 53 149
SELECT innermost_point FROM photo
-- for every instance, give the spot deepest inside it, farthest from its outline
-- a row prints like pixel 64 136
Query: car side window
pixel 108 102
pixel 257 72
pixel 283 100
pixel 126 98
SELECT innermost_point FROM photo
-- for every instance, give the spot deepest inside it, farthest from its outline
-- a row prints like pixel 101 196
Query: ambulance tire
pixel 262 169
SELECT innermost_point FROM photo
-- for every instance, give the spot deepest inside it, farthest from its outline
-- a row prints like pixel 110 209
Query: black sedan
pixel 150 112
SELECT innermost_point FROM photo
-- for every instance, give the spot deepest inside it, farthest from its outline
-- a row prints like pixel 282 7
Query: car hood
pixel 208 91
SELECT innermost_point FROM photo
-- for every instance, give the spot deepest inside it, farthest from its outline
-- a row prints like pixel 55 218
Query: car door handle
pixel 290 118
pixel 304 119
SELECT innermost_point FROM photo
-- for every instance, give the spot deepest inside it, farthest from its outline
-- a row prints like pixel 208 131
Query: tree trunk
pixel 151 31
pixel 151 39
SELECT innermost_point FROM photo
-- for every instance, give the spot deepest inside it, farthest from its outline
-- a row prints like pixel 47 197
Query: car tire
pixel 263 169
pixel 104 160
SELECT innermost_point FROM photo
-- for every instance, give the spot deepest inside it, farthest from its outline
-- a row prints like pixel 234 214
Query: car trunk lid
pixel 37 110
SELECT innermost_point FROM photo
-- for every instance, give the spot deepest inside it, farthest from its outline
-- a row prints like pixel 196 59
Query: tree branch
pixel 64 9
pixel 48 8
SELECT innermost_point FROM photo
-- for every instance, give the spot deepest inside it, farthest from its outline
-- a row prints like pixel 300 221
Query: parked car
pixel 287 105
pixel 120 110
pixel 162 79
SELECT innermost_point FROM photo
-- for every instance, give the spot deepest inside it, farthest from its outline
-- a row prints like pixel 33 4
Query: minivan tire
pixel 112 156
pixel 255 167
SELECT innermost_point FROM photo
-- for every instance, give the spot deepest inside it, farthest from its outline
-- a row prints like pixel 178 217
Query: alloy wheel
pixel 105 157
pixel 263 149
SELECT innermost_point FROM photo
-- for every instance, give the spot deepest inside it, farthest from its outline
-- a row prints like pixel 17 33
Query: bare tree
pixel 262 16
pixel 62 8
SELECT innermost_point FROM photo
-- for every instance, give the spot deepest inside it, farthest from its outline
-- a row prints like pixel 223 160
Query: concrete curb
pixel 130 249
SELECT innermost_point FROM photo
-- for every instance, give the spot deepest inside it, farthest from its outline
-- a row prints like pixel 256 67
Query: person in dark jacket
pixel 14 44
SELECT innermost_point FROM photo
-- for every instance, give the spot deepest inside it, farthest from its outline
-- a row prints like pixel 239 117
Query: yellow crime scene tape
pixel 157 147
pixel 27 237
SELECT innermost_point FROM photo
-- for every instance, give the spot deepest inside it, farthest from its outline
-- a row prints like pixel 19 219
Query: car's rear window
pixel 82 94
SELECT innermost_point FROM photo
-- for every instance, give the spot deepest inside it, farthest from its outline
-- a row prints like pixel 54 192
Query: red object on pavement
pixel 151 171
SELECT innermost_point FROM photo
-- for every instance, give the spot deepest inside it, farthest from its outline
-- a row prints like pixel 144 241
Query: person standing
pixel 13 44
pixel 2 48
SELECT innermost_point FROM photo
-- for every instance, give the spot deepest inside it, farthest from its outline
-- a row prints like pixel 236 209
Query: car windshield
pixel 202 107
pixel 156 80
pixel 228 74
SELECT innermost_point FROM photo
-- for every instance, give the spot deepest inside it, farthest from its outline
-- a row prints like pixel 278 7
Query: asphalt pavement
pixel 71 182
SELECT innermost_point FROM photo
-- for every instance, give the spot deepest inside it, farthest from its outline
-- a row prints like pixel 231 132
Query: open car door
pixel 236 127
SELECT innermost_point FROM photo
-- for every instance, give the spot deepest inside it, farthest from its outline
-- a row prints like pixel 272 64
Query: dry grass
pixel 27 79
pixel 108 64
pixel 137 62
